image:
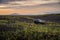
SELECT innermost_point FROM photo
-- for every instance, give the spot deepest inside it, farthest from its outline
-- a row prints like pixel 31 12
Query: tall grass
pixel 16 30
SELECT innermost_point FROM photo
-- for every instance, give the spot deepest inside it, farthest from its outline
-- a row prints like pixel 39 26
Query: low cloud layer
pixel 6 1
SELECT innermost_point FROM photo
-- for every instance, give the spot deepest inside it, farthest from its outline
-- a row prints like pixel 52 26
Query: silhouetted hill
pixel 49 17
pixel 14 14
pixel 30 18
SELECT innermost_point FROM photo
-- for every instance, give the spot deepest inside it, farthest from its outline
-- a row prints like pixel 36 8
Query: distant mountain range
pixel 14 14
pixel 54 12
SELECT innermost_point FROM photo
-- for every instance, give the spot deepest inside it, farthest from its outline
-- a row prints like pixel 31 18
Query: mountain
pixel 14 14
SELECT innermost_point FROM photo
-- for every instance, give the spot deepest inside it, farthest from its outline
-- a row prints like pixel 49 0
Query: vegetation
pixel 23 28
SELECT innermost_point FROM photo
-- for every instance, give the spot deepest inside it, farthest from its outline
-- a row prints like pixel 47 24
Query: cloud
pixel 6 1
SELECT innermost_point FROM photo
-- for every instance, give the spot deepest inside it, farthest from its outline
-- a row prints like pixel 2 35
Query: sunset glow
pixel 6 9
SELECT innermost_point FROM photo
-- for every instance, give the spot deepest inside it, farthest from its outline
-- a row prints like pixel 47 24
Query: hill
pixel 22 27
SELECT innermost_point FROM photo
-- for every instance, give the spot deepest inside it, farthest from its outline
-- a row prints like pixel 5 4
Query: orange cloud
pixel 26 11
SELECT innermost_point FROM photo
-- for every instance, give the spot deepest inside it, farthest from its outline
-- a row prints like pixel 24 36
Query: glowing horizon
pixel 6 10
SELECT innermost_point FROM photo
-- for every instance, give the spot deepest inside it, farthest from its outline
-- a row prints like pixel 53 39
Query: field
pixel 22 27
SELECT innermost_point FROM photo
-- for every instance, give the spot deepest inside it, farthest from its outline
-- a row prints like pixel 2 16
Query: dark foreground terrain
pixel 13 27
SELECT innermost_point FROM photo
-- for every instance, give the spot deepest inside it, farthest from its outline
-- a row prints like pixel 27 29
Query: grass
pixel 14 28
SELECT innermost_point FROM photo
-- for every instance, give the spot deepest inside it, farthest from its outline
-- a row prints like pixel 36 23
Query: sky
pixel 28 7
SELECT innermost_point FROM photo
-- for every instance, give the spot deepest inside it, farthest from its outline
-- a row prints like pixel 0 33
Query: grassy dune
pixel 24 28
